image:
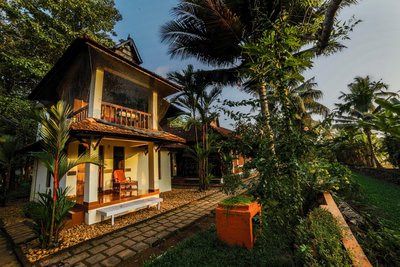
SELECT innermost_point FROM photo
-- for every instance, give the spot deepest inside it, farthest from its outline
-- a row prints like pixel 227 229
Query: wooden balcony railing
pixel 79 114
pixel 118 115
pixel 125 116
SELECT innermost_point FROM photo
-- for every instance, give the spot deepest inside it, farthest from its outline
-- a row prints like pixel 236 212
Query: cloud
pixel 162 70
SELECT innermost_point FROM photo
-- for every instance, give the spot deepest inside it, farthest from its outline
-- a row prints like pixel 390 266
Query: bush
pixel 319 241
pixel 321 176
pixel 42 216
pixel 30 209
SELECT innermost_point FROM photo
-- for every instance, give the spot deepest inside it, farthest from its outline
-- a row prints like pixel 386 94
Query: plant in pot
pixel 235 218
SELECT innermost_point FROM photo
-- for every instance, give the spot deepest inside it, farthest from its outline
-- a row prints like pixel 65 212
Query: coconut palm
pixel 214 31
pixel 304 98
pixel 359 106
pixel 54 132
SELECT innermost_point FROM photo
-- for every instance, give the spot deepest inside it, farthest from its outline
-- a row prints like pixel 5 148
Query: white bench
pixel 129 206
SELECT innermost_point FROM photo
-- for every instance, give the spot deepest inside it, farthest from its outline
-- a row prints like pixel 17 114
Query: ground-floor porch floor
pixel 144 165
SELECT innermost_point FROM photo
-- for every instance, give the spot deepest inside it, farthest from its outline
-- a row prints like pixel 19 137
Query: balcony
pixel 118 115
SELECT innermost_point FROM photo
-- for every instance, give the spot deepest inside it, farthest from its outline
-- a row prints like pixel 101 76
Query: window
pixel 122 92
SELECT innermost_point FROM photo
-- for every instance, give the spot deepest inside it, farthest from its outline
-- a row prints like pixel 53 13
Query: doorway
pixel 80 176
pixel 119 158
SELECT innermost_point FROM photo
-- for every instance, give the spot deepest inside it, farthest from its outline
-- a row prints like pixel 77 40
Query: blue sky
pixel 374 48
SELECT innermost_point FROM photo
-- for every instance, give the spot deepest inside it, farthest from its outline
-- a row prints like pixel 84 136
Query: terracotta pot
pixel 234 223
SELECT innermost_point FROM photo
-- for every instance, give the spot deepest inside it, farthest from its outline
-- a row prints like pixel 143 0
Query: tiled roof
pixel 96 126
pixel 190 135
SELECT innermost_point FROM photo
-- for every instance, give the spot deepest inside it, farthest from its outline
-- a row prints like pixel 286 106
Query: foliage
pixel 196 99
pixel 358 107
pixel 54 132
pixel 45 29
pixel 319 241
pixel 42 212
pixel 17 118
pixel 7 157
pixel 392 146
pixel 29 209
pixel 204 249
pixel 240 199
pixel 387 119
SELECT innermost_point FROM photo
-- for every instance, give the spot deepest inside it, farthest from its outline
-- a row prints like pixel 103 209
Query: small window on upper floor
pixel 122 92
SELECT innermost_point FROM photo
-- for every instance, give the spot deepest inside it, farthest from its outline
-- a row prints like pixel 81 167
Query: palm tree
pixel 54 132
pixel 197 102
pixel 304 99
pixel 215 32
pixel 358 107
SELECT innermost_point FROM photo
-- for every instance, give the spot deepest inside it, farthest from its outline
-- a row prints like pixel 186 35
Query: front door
pixel 119 158
pixel 80 176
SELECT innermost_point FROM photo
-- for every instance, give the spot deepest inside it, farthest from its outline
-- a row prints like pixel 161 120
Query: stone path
pixel 120 245
pixel 7 257
pixel 20 232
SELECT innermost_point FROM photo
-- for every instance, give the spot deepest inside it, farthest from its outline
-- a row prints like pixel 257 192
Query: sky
pixel 373 48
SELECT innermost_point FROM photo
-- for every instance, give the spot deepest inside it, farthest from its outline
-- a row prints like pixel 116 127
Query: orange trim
pixel 354 249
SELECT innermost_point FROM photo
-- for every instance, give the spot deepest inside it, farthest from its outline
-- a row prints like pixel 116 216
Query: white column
pixel 91 177
pixel 153 167
pixel 96 94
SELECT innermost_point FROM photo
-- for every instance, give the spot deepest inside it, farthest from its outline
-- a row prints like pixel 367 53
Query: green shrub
pixel 319 241
pixel 30 209
pixel 43 213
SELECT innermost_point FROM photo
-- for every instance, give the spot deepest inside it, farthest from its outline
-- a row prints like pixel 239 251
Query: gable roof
pixel 73 50
pixel 128 50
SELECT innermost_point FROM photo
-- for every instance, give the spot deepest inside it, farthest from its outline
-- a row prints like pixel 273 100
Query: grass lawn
pixel 384 197
pixel 204 249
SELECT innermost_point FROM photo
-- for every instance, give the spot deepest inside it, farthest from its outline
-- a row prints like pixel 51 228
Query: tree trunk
pixel 373 160
pixel 266 118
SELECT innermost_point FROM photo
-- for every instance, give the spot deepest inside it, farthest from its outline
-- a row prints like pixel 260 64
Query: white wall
pixel 39 180
pixel 165 182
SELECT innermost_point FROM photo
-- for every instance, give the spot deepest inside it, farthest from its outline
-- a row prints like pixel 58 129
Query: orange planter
pixel 234 223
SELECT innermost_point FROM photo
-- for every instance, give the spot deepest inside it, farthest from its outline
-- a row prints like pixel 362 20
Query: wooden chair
pixel 122 183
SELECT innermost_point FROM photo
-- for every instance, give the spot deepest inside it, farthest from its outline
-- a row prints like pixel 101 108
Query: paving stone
pixel 81 247
pixel 145 229
pixel 97 249
pixel 111 261
pixel 126 254
pixel 149 233
pixel 95 258
pixel 114 250
pixel 77 258
pixel 118 240
pixel 150 240
pixel 129 243
pixel 80 264
pixel 138 238
pixel 140 246
pixel 133 234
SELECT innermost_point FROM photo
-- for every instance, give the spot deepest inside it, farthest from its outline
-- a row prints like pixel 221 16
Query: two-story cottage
pixel 117 107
